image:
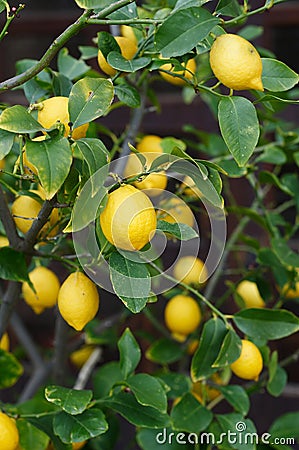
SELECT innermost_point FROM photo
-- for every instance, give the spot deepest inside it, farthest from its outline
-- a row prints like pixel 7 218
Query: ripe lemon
pixel 249 292
pixel 190 188
pixel 4 242
pixel 129 219
pixel 4 342
pixel 176 210
pixel 236 63
pixel 182 314
pixel 80 356
pixel 190 270
pixel 46 285
pixel 150 143
pixel 25 209
pixel 190 68
pixel 9 435
pixel 128 49
pixel 128 32
pixel 78 300
pixel 55 109
pixel 2 163
pixel 250 362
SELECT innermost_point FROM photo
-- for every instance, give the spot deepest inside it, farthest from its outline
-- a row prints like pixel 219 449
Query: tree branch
pixel 87 369
pixel 60 342
pixel 8 222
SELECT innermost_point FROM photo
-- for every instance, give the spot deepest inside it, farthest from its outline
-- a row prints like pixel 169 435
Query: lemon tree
pixel 117 242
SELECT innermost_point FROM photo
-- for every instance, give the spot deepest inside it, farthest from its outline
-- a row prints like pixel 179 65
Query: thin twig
pixel 87 369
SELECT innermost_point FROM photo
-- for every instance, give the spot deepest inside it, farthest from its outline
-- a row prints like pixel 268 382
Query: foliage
pixel 143 373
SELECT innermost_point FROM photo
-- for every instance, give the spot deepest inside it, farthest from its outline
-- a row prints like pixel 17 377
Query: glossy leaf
pixel 135 413
pixel 10 369
pixel 129 352
pixel 230 349
pixel 69 66
pixel 90 98
pixel 239 127
pixel 183 30
pixel 177 383
pixel 128 95
pixel 272 155
pixel 53 159
pixel 266 324
pixel 13 265
pixel 212 337
pixel 237 397
pixel 118 62
pixel 6 142
pixel 70 400
pixel 16 119
pixel 130 279
pixel 31 437
pixel 164 351
pixel 148 391
pixel 190 415
pixel 277 76
pixel 89 424
pixel 285 426
pixel 148 439
pixel 180 231
pixel 236 424
pixel 44 422
pixel 105 377
pixel 284 253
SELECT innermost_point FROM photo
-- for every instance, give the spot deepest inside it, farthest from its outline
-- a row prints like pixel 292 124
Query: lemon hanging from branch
pixel 236 63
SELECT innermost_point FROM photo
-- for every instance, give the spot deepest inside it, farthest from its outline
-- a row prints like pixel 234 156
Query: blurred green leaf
pixel 69 66
pixel 190 415
pixel 237 397
pixel 285 426
pixel 13 265
pixel 129 352
pixel 284 253
pixel 177 383
pixel 6 142
pixel 71 401
pixel 31 437
pixel 10 369
pixel 149 439
pixel 164 351
pixel 105 377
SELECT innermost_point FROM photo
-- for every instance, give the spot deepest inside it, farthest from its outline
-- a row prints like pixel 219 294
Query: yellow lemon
pixel 4 242
pixel 236 63
pixel 128 32
pixel 249 292
pixel 182 314
pixel 129 219
pixel 2 164
pixel 9 435
pixel 175 210
pixel 78 300
pixel 192 346
pixel 128 49
pixel 55 109
pixel 190 68
pixel 150 143
pixel 80 356
pixel 179 337
pixel 4 342
pixel 190 270
pixel 250 362
pixel 25 209
pixel 46 285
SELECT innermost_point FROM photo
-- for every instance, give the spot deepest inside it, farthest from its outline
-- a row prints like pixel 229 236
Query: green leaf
pixel 130 280
pixel 271 178
pixel 31 437
pixel 10 369
pixel 272 155
pixel 107 43
pixel 277 76
pixel 90 98
pixel 6 142
pixel 45 424
pixel 182 4
pixel 183 30
pixel 88 51
pixel 230 349
pixel 229 8
pixel 239 127
pixel 105 377
pixel 276 385
pixel 236 422
pixel 237 397
pixel 190 415
pixel 3 6
pixel 210 343
pixel 267 257
pixel 284 252
pixel 285 426
pixel 135 413
pixel 163 439
pixel 69 66
pixel 70 400
pixel 16 119
pixel 178 230
pixel 89 424
pixel 231 168
pixel 13 265
pixel 53 159
pixel 62 86
pixel 118 62
pixel 164 351
pixel 36 87
pixel 130 353
pixel 266 324
pixel 148 391
pixel 90 4
pixel 177 383
pixel 127 94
